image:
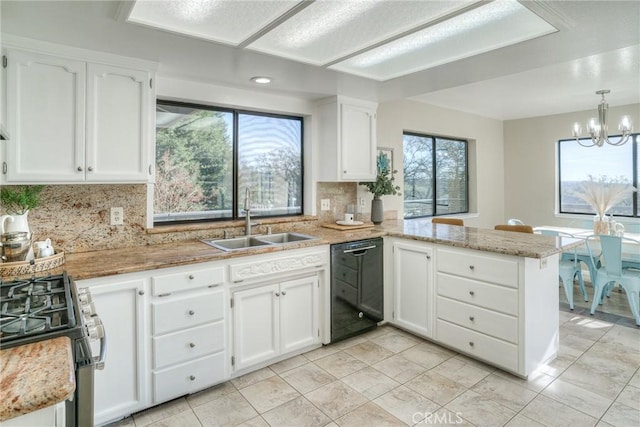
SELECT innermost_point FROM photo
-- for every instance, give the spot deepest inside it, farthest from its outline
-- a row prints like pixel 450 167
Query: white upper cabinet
pixel 117 124
pixel 46 117
pixel 73 121
pixel 346 139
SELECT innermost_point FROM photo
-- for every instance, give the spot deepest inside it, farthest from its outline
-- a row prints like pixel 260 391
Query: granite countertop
pixel 34 376
pixel 94 264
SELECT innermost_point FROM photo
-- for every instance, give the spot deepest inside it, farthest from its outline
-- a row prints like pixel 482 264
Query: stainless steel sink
pixel 285 238
pixel 236 243
pixel 247 242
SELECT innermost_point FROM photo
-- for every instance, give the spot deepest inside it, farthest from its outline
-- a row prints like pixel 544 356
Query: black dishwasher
pixel 356 287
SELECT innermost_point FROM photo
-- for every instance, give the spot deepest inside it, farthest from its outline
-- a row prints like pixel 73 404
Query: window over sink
pixel 206 158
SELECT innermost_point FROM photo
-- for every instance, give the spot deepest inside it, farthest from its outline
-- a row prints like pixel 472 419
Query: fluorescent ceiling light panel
pixel 498 24
pixel 331 29
pixel 222 21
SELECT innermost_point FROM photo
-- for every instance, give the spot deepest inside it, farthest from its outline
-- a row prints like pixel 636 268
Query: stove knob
pixel 85 298
pixel 88 310
pixel 96 331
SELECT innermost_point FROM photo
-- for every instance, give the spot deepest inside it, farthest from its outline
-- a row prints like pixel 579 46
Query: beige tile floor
pixel 388 377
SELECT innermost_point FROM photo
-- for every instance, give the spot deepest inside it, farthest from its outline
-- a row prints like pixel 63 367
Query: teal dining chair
pixel 569 268
pixel 611 271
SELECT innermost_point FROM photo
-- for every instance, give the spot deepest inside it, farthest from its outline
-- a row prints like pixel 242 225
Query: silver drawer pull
pixel 471 267
pixel 284 293
pixel 472 318
pixel 213 286
pixel 471 344
pixel 192 377
pixel 191 312
pixel 191 345
pixel 191 277
pixel 140 292
pixel 472 293
pixel 277 294
pixel 166 294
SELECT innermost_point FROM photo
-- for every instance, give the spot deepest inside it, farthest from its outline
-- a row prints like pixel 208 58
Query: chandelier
pixel 598 130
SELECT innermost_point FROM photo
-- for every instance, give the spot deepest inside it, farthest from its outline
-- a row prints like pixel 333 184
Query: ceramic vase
pixel 600 225
pixel 377 210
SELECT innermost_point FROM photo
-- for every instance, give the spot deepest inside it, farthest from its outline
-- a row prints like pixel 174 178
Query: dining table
pixel 630 247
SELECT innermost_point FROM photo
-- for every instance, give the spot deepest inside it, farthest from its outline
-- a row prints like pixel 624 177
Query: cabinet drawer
pixel 188 344
pixel 180 313
pixel 346 292
pixel 478 345
pixel 479 319
pixel 480 267
pixel 188 280
pixel 345 274
pixel 493 297
pixel 345 260
pixel 188 377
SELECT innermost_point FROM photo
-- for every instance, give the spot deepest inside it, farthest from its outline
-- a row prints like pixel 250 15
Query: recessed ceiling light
pixel 263 80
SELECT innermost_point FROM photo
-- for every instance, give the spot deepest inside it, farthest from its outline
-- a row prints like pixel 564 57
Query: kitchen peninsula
pixel 489 294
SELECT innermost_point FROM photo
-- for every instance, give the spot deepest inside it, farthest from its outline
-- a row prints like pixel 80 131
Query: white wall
pixel 486 165
pixel 530 154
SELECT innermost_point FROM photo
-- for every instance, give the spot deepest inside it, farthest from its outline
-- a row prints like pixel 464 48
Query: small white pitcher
pixel 9 223
pixel 44 248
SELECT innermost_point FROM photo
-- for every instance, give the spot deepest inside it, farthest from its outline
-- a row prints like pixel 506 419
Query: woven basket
pixel 22 268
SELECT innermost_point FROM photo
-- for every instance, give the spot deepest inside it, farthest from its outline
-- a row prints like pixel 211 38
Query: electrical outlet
pixel 117 216
pixel 361 205
pixel 325 204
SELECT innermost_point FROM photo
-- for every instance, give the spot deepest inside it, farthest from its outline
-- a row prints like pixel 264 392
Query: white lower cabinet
pixel 188 327
pixel 121 388
pixel 274 319
pixel 413 291
pixel 502 309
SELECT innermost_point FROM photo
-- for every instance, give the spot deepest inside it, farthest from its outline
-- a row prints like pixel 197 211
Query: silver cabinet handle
pixel 277 294
pixel 90 169
pixel 428 256
pixel 191 277
pixel 192 345
pixel 361 315
pixel 471 344
pixel 472 318
pixel 471 267
pixel 140 292
pixel 192 377
pixel 79 168
pixel 284 293
pixel 472 293
pixel 191 312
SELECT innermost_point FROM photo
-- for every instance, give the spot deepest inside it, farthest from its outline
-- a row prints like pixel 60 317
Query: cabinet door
pixel 117 124
pixel 120 389
pixel 358 142
pixel 255 325
pixel 299 314
pixel 45 118
pixel 413 292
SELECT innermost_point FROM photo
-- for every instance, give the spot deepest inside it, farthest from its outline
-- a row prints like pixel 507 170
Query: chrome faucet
pixel 247 215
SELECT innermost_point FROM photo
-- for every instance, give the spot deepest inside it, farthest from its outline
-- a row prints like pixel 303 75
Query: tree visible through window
pixel 197 177
pixel 435 175
pixel 610 163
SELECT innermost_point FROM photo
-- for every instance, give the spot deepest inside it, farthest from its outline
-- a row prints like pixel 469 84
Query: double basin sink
pixel 246 242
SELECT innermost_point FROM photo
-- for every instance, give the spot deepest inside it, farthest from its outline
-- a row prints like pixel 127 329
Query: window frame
pixel 635 172
pixel 236 112
pixel 434 139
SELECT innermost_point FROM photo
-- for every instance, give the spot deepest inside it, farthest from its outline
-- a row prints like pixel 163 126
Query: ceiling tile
pixel 331 29
pixel 222 21
pixel 492 26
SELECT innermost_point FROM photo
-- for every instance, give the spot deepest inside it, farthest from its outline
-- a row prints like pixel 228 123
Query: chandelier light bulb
pixel 598 129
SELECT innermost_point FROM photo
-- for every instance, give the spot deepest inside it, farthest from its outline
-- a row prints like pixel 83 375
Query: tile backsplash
pixel 77 217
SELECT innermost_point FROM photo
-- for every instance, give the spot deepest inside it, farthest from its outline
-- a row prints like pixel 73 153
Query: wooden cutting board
pixel 347 227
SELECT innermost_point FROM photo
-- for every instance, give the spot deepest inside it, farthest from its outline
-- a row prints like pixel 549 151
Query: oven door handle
pixel 348 251
pixel 102 334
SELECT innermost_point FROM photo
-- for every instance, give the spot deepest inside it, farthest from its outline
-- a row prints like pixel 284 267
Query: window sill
pixel 217 225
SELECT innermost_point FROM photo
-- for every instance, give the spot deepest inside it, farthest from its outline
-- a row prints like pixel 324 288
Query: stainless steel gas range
pixel 41 308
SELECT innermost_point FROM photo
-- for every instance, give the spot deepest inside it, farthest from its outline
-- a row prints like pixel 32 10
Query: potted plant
pixel 383 185
pixel 16 202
